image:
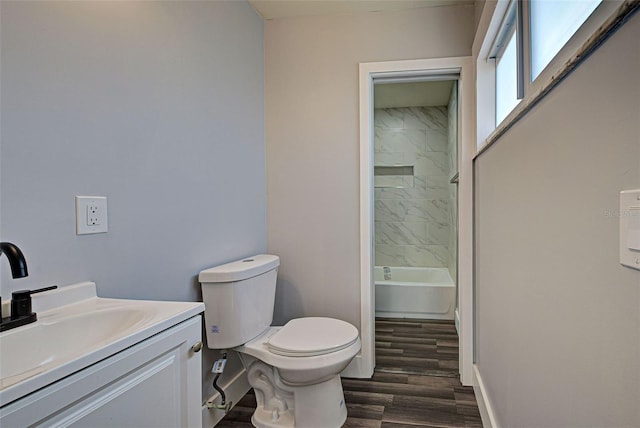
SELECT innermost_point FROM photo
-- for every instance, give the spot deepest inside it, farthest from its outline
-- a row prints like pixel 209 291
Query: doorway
pixel 415 198
pixel 371 74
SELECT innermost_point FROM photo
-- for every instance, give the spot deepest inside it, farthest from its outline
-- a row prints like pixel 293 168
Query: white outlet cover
pixel 630 228
pixel 92 220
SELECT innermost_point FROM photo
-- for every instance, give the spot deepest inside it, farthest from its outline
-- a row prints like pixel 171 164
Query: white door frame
pixel 466 151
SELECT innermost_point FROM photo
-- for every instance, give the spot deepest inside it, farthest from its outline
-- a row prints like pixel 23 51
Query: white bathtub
pixel 427 293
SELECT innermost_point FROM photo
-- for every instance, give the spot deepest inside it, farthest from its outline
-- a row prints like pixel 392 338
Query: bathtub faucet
pixel 387 273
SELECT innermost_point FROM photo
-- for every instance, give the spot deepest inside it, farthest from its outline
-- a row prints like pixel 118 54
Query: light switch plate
pixel 630 228
pixel 91 214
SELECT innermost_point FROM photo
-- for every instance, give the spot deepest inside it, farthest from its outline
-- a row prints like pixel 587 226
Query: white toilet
pixel 294 369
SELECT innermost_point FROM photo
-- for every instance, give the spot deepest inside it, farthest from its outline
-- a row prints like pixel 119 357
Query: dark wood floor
pixel 415 383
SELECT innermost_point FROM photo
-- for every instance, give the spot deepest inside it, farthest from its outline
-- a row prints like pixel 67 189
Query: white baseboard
pixel 234 390
pixel 355 369
pixel 457 320
pixel 484 403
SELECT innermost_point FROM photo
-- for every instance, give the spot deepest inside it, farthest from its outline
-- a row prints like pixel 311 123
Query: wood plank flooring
pixel 415 383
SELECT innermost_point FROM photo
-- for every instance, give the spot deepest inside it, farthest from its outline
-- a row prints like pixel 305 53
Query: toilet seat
pixel 312 336
pixel 296 369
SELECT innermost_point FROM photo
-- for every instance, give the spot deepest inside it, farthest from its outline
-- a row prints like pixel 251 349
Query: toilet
pixel 294 369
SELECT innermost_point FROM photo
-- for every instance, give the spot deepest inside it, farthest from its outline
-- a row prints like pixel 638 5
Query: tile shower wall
pixel 452 151
pixel 412 213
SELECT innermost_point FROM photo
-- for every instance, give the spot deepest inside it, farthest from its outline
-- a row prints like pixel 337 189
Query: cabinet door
pixel 154 384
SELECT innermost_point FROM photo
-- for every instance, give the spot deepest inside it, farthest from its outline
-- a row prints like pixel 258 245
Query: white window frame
pixel 497 57
pixel 491 22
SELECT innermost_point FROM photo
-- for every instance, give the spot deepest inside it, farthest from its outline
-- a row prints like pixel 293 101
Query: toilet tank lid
pixel 240 269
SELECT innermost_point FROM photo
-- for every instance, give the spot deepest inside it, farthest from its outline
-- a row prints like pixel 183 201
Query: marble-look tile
pixel 437 211
pixel 431 163
pixel 406 233
pixel 405 206
pixel 409 210
pixel 453 190
pixel 426 255
pixel 388 210
pixel 400 140
pixel 452 212
pixel 425 117
pixel 393 181
pixel 388 158
pixel 406 193
pixel 453 161
pixel 438 234
pixel 388 118
pixel 390 255
pixel 433 186
pixel 452 125
pixel 437 140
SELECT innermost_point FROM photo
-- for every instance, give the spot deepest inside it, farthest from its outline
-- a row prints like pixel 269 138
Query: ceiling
pixel 417 94
pixel 274 9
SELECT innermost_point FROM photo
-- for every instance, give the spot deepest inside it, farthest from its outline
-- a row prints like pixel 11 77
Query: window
pixel 530 45
pixel 506 54
pixel 552 23
pixel 507 80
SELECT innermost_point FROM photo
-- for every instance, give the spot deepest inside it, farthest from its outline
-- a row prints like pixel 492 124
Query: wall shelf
pixel 393 176
pixel 402 170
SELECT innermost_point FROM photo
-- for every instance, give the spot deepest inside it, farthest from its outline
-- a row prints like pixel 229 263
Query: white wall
pixel 157 105
pixel 558 318
pixel 311 72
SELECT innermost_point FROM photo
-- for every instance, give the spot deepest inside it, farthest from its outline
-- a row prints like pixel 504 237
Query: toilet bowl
pixel 294 369
pixel 303 377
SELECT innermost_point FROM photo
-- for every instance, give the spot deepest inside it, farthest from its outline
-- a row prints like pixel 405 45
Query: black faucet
pixel 20 303
pixel 16 259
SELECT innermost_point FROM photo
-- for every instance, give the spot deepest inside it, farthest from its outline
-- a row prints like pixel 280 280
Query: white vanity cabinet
pixel 155 383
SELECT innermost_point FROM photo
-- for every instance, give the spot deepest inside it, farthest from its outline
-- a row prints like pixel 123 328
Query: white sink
pixel 41 344
pixel 68 337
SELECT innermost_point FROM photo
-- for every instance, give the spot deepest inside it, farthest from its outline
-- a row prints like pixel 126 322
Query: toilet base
pixel 320 405
pixel 267 419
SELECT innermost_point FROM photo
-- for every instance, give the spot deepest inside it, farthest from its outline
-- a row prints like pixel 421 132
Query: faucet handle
pixel 21 301
pixel 40 290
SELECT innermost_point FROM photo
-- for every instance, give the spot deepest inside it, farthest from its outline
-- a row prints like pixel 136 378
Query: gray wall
pixel 157 105
pixel 311 73
pixel 558 330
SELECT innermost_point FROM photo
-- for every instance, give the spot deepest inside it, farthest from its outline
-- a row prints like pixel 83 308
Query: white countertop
pixel 89 329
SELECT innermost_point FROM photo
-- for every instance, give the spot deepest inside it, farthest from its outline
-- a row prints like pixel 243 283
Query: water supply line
pixel 218 369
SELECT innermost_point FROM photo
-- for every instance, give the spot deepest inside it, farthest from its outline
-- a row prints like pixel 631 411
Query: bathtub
pixel 408 292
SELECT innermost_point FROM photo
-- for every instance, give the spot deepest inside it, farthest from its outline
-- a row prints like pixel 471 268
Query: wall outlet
pixel 94 214
pixel 91 214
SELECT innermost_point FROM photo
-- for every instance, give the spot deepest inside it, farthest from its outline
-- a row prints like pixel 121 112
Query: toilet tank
pixel 238 299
